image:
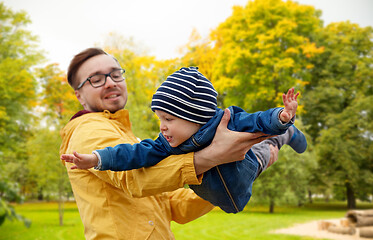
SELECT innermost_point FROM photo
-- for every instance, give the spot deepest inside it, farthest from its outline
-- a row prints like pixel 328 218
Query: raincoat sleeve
pixel 186 206
pixel 168 175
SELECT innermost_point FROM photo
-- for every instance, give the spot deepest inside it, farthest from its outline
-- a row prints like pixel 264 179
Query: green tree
pixel 18 56
pixel 57 98
pixel 57 105
pixel 264 49
pixel 47 176
pixel 338 108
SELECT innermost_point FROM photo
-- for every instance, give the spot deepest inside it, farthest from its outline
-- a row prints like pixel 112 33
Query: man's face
pixel 112 96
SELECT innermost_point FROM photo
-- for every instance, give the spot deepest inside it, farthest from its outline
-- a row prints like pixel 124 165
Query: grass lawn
pixel 254 223
pixel 44 223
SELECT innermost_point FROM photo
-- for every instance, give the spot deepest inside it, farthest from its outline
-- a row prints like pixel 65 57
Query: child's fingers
pixel 67 157
pixel 291 95
pixel 296 95
pixel 69 160
pixel 289 91
pixel 284 97
pixel 74 167
pixel 288 94
pixel 76 154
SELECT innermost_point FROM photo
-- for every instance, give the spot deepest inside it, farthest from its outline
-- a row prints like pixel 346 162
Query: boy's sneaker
pixel 298 141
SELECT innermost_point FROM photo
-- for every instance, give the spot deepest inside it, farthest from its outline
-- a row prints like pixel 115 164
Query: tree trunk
pixel 60 197
pixel 61 211
pixel 327 198
pixel 40 194
pixel 271 206
pixel 310 196
pixel 351 200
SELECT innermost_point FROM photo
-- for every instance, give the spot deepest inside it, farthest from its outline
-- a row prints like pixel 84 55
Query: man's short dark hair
pixel 78 60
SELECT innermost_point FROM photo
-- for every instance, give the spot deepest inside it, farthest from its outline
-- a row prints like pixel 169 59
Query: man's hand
pixel 81 161
pixel 291 104
pixel 227 146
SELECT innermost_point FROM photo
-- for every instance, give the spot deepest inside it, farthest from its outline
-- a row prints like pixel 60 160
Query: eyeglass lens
pixel 99 80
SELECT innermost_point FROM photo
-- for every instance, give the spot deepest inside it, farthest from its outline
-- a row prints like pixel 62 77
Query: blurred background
pixel 252 51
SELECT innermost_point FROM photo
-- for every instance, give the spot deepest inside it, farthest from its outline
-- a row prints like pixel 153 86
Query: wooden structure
pixel 356 220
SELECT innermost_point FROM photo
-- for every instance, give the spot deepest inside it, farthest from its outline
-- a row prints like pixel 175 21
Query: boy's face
pixel 174 129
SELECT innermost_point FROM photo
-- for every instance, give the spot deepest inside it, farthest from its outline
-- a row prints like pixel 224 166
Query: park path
pixel 311 229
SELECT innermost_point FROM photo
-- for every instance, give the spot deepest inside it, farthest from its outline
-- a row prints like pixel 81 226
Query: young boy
pixel 187 108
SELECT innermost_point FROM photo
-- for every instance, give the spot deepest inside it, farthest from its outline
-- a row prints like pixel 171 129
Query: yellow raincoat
pixel 137 204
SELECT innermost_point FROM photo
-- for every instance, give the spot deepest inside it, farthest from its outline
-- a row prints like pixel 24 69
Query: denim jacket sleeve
pixel 267 121
pixel 125 157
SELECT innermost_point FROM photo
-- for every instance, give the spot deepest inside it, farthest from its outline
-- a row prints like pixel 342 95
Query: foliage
pixel 59 103
pixel 264 49
pixel 341 74
pixel 338 108
pixel 8 193
pixel 47 176
pixel 57 98
pixel 18 56
pixel 40 168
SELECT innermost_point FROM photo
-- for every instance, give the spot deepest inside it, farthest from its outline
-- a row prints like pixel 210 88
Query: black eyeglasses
pixel 99 80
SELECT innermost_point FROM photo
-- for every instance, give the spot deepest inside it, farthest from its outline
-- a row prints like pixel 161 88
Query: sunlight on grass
pixel 253 223
pixel 250 224
pixel 45 223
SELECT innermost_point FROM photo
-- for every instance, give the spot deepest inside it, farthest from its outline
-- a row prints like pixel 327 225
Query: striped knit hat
pixel 186 94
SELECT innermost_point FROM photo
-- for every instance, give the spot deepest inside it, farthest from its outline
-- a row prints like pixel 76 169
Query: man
pixel 136 204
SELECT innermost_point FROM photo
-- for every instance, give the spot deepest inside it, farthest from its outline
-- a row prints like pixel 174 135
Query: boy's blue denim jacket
pixel 229 185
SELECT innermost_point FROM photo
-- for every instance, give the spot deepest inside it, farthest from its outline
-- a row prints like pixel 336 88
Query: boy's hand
pixel 81 161
pixel 291 104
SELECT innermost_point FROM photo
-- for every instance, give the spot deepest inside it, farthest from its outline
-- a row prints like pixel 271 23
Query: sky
pixel 66 27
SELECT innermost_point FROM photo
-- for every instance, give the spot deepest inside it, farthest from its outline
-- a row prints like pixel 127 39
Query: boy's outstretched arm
pixel 81 161
pixel 291 104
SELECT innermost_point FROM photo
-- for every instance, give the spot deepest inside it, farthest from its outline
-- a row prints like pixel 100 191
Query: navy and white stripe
pixel 186 94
